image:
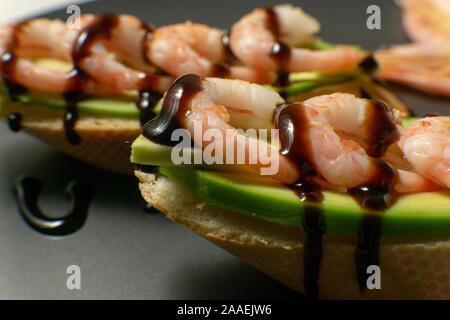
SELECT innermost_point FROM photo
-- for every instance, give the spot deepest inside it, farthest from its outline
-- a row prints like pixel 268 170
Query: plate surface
pixel 123 252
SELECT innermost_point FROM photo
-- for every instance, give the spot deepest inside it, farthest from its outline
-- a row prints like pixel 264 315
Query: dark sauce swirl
pixel 369 64
pixel 99 29
pixel 222 70
pixel 292 122
pixel 374 196
pixel 146 105
pixel 230 57
pixel 314 227
pixel 28 190
pixel 381 131
pixel 148 29
pixel 280 52
pixel 15 121
pixel 174 108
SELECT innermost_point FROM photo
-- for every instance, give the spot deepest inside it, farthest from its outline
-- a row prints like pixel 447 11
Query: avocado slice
pixel 96 106
pixel 415 215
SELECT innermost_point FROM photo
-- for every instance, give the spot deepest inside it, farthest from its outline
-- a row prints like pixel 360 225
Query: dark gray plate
pixel 123 252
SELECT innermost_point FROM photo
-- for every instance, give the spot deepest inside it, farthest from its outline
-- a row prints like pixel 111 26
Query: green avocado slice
pixel 416 215
pixel 115 107
pixel 95 106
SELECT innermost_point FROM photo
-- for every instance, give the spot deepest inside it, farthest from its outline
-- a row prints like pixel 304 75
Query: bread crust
pixel 105 141
pixel 411 268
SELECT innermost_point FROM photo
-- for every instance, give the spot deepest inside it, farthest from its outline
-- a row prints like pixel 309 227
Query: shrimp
pixel 427 20
pixel 42 37
pixel 426 145
pixel 217 104
pixel 125 36
pixel 424 66
pixel 20 46
pixel 88 50
pixel 340 139
pixel 196 48
pixel 353 119
pixel 206 103
pixel 265 39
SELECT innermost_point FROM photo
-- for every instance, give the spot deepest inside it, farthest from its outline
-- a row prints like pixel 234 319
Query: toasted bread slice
pixel 105 141
pixel 410 268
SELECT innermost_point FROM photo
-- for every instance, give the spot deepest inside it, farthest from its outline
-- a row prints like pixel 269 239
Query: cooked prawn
pixel 196 48
pixel 427 20
pixel 341 162
pixel 426 145
pixel 26 72
pixel 253 40
pixel 338 136
pixel 351 118
pixel 108 75
pixel 425 66
pixel 209 109
pixel 42 37
pixel 126 40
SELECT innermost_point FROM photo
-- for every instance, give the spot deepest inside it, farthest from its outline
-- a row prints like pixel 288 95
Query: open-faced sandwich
pixel 88 91
pixel 344 190
pixel 358 205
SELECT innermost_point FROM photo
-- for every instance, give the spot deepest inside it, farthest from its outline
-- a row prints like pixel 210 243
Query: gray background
pixel 124 253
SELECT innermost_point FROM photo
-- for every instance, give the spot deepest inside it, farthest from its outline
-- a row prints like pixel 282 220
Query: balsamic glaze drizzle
pixel 381 132
pixel 222 70
pixel 367 252
pixel 145 168
pixel 365 94
pixel 229 54
pixel 369 64
pixel 146 104
pixel 27 192
pixel 15 121
pixel 149 29
pixel 314 227
pixel 374 195
pixel 100 28
pixel 71 115
pixel 280 52
pixel 292 122
pixel 171 117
